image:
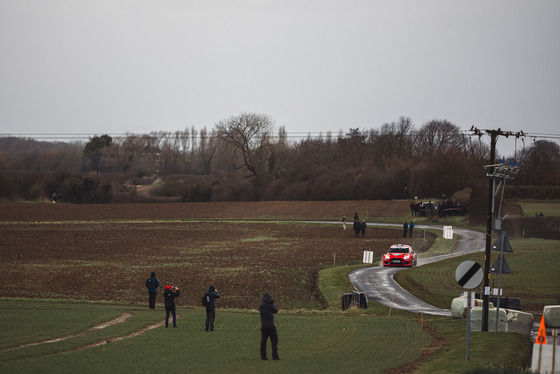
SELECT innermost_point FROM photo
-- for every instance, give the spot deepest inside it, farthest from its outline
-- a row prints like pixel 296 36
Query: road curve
pixel 379 286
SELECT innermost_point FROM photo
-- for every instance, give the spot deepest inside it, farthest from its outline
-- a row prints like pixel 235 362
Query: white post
pixel 468 322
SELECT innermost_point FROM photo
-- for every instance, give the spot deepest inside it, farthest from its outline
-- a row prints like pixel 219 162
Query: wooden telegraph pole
pixel 490 215
pixel 489 222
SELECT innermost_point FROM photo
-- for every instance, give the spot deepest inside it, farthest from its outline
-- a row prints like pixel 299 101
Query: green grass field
pixel 550 208
pixel 309 342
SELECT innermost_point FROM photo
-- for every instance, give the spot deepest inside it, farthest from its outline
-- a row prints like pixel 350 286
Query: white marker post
pixel 469 275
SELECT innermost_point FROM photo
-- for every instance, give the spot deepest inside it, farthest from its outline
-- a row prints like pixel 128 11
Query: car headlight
pixel 406 257
pixel 386 257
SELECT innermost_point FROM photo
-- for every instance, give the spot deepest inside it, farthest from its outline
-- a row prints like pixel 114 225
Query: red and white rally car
pixel 400 255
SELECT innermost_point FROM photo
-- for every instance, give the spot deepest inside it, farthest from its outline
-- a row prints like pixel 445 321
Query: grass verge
pixel 447 352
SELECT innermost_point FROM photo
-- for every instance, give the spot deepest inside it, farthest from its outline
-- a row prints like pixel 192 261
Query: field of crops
pixel 54 251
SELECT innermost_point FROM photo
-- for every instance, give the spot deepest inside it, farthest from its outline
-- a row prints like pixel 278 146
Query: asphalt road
pixel 379 286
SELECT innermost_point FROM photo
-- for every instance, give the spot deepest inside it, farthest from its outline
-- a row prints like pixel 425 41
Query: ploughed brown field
pixel 106 252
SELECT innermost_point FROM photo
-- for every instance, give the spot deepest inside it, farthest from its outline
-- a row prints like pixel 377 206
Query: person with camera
pixel 268 329
pixel 169 295
pixel 212 294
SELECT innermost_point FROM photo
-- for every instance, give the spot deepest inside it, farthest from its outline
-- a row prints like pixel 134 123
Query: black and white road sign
pixel 469 274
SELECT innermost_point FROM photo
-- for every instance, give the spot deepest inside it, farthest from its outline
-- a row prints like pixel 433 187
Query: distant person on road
pixel 356 228
pixel 411 227
pixel 363 228
pixel 169 295
pixel 405 229
pixel 212 294
pixel 152 284
pixel 268 329
pixel 343 222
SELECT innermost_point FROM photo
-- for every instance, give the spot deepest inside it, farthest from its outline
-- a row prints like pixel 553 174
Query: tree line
pixel 247 158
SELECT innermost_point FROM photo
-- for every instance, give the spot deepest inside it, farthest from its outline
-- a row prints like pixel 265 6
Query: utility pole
pixel 490 214
pixel 489 222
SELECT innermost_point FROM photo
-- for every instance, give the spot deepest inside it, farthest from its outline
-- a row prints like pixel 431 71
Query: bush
pixel 533 227
pixel 532 192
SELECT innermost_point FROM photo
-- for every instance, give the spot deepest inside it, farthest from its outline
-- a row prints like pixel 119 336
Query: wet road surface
pixel 379 286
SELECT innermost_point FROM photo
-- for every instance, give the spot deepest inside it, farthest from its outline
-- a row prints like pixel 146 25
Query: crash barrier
pixel 448 232
pixel 551 315
pixel 354 300
pixel 476 319
pixel 368 257
pixel 510 320
pixel 520 322
pixel 505 302
pixel 459 307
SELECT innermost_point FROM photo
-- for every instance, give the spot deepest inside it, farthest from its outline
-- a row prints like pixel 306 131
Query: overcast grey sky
pixel 71 66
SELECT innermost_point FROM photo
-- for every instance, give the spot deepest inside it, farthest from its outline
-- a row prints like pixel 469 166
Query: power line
pixel 291 135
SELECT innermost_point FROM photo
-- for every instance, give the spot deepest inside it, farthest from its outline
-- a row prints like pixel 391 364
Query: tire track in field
pixel 120 319
pixel 131 335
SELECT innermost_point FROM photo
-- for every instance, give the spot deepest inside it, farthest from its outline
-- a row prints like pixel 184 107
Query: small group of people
pixel 169 295
pixel 408 227
pixel 267 310
pixel 359 226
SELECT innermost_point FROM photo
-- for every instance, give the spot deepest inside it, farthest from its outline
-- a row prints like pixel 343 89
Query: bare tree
pixel 206 150
pixel 438 137
pixel 393 140
pixel 249 134
pixel 539 164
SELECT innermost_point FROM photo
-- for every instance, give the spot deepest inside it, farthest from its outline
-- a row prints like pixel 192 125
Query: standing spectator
pixel 343 222
pixel 404 229
pixel 363 228
pixel 356 217
pixel 268 329
pixel 356 228
pixel 169 296
pixel 411 227
pixel 212 294
pixel 152 284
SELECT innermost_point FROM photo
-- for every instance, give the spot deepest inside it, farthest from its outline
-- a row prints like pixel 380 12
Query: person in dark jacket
pixel 268 329
pixel 411 228
pixel 363 226
pixel 212 294
pixel 169 295
pixel 404 229
pixel 152 284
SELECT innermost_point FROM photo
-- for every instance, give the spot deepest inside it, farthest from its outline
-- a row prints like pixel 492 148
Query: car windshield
pixel 398 250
